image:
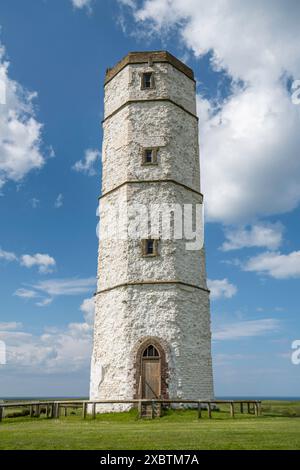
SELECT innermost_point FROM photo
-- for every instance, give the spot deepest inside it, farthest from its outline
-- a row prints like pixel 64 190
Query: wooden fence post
pixel 248 408
pixel 256 409
pixel 242 408
pixel 84 410
pixel 209 410
pixel 94 410
pixel 31 411
pixel 232 409
pixel 56 411
pixel 199 410
pixel 38 411
pixel 1 413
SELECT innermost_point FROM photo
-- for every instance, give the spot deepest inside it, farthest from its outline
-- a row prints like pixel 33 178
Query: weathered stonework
pixel 164 297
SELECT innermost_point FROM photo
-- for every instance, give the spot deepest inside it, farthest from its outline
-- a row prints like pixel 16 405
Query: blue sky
pixel 55 57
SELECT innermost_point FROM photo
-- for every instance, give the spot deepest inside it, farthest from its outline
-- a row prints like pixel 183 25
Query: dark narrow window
pixel 147 80
pixel 150 247
pixel 150 156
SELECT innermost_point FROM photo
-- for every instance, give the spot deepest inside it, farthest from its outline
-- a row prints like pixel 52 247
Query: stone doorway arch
pixel 151 370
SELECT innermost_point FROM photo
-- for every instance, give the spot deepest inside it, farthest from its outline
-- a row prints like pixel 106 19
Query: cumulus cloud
pixel 221 289
pixel 44 262
pixel 55 350
pixel 275 264
pixel 250 155
pixel 260 235
pixel 88 309
pixel 249 139
pixel 87 166
pixel 246 329
pixel 20 132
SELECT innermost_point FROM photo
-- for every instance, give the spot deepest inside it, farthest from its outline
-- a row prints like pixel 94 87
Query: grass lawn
pixel 279 428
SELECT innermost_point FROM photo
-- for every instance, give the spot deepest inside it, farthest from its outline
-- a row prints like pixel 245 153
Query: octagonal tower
pixel 152 323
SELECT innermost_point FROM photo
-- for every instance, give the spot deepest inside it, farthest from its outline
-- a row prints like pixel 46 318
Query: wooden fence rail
pixel 53 409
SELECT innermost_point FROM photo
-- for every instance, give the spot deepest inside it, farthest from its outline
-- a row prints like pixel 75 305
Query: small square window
pixel 150 156
pixel 150 247
pixel 147 80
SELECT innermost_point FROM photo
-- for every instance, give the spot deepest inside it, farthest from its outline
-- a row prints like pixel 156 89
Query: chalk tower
pixel 152 321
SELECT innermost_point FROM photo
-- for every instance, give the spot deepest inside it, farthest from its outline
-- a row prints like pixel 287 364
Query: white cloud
pixel 54 351
pixel 250 155
pixel 7 256
pixel 275 264
pixel 128 3
pixel 20 132
pixel 55 287
pixel 10 326
pixel 87 166
pixel 251 140
pixel 259 235
pixel 82 4
pixel 88 309
pixel 46 291
pixel 221 289
pixel 31 294
pixel 59 201
pixel 44 302
pixel 25 293
pixel 35 203
pixel 246 329
pixel 44 262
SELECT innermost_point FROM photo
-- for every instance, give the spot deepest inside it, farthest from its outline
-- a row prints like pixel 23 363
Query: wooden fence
pixel 54 409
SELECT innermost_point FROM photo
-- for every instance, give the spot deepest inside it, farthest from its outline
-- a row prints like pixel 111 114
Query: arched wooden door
pixel 151 373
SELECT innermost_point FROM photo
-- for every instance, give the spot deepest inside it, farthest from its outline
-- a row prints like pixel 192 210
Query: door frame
pixel 139 350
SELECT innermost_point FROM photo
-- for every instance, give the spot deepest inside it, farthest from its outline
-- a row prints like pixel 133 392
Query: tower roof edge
pixel 143 57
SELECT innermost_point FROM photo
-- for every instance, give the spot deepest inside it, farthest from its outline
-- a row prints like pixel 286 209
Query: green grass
pixel 279 428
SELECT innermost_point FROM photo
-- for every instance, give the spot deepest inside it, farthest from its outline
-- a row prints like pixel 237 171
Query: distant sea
pixel 250 397
pixel 42 398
